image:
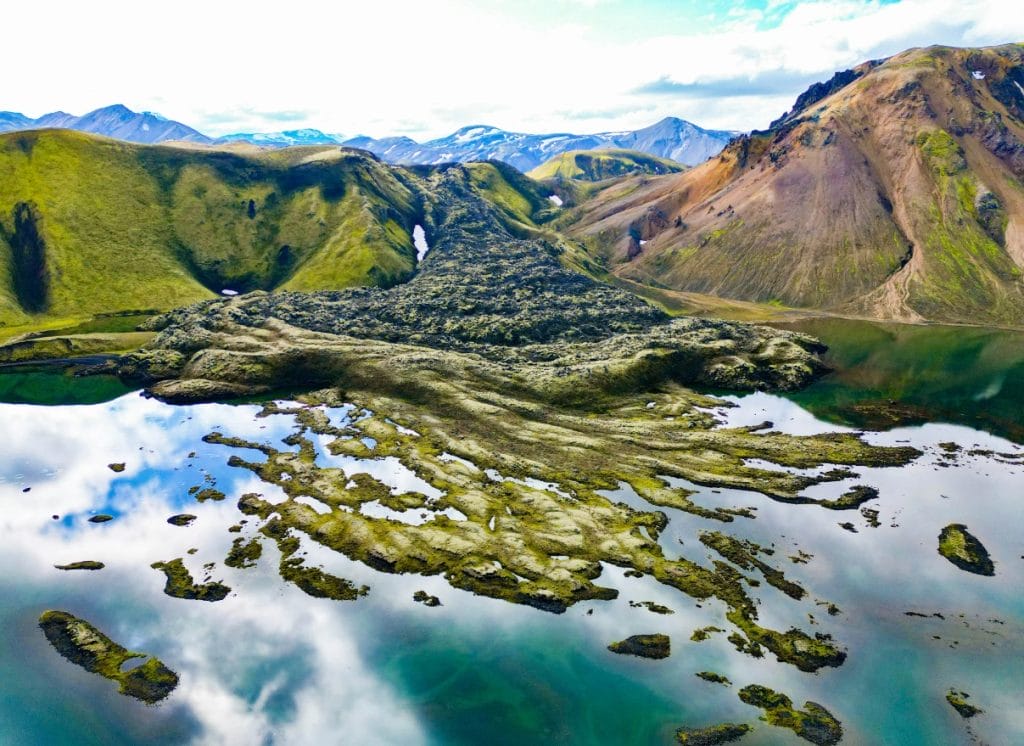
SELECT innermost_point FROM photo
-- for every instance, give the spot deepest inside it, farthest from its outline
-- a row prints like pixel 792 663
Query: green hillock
pixel 90 225
pixel 598 165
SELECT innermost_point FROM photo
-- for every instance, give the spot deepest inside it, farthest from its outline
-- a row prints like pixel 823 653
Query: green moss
pixel 422 597
pixel 116 468
pixel 712 735
pixel 958 701
pixel 655 646
pixel 82 565
pixel 181 585
pixel 84 645
pixel 311 580
pixel 814 723
pixel 599 165
pixel 702 634
pixel 712 677
pixel 243 553
pixel 181 519
pixel 208 493
pixel 963 549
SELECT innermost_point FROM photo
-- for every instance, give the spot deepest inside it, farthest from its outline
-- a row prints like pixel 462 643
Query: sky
pixel 425 68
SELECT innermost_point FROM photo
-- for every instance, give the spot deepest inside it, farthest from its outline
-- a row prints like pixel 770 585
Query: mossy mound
pixel 963 549
pixel 712 677
pixel 181 585
pixel 814 723
pixel 85 646
pixel 243 553
pixel 181 519
pixel 82 565
pixel 958 701
pixel 655 646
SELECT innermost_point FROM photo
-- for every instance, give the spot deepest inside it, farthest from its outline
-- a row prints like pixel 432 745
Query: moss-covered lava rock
pixel 82 565
pixel 181 585
pixel 181 519
pixel 958 701
pixel 963 549
pixel 243 553
pixel 813 723
pixel 655 646
pixel 85 646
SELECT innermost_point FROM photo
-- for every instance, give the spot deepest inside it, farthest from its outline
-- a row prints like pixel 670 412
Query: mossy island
pixel 84 645
pixel 82 565
pixel 656 646
pixel 958 701
pixel 814 723
pixel 181 585
pixel 963 549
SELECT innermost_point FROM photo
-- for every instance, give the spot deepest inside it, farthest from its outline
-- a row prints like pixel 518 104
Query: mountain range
pixel 893 190
pixel 115 121
pixel 670 138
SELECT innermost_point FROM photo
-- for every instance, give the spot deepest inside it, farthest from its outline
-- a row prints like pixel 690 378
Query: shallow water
pixel 272 665
pixel 888 374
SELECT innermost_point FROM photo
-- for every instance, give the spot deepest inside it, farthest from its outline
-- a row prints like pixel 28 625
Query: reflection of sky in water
pixel 270 664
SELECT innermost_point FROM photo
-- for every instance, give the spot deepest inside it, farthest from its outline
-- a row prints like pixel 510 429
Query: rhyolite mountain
pixel 115 121
pixel 670 138
pixel 894 190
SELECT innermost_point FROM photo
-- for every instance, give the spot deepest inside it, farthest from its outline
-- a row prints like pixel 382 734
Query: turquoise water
pixel 272 665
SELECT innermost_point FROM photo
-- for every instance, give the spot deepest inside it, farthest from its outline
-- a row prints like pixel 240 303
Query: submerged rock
pixel 963 549
pixel 712 735
pixel 655 646
pixel 85 646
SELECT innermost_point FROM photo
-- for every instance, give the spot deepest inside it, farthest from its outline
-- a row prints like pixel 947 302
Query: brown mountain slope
pixel 893 191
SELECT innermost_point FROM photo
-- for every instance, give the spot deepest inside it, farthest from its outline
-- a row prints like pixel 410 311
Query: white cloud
pixel 427 68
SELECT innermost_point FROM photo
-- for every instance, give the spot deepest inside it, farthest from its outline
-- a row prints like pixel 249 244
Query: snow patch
pixel 228 292
pixel 978 75
pixel 419 240
pixel 556 199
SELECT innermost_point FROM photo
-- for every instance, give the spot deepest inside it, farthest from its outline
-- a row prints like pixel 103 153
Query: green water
pixel 890 374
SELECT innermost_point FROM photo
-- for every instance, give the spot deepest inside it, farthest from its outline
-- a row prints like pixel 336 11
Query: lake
pixel 270 664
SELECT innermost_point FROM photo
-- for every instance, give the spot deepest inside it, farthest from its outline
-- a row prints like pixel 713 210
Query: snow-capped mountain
pixel 284 139
pixel 671 138
pixel 111 121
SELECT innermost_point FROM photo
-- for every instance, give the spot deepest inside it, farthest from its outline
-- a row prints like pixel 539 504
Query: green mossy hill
pixel 90 225
pixel 480 290
pixel 598 165
pixel 86 646
pixel 655 646
pixel 814 723
pixel 963 549
pixel 958 701
pixel 712 735
pixel 181 585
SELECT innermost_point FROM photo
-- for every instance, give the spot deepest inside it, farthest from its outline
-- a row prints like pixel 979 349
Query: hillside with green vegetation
pixel 598 165
pixel 94 226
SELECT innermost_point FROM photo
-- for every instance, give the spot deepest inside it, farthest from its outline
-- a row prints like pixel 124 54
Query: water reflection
pixel 272 665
